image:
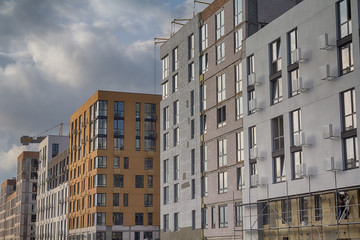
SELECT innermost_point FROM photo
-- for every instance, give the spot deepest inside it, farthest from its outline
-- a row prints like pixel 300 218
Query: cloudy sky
pixel 55 54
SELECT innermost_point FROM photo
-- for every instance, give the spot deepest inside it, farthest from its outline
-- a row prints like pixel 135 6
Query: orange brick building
pixel 114 169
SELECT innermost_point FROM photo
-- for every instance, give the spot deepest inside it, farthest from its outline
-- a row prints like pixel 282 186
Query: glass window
pixel 237 12
pixel 346 58
pixel 345 24
pixel 100 162
pixel 100 199
pixel 100 108
pixel 191 71
pixel 240 177
pixel 238 214
pixel 191 45
pixel 204 186
pixel 349 110
pixel 166 195
pixel 148 200
pixel 221 89
pixel 118 109
pixel 116 162
pixel 126 162
pixel 139 218
pixel 204 37
pixel 275 52
pixel 278 133
pixel 166 170
pixel 166 222
pixel 150 222
pixel 117 219
pixel 238 78
pixel 297 160
pixel 204 63
pixel 303 208
pixel 125 200
pixel 293 44
pixel 176 192
pixel 204 158
pixel 213 217
pixel 150 181
pixel 100 126
pixel 240 156
pixel 165 89
pixel 220 52
pixel 118 180
pixel 100 180
pixel 148 163
pixel 294 78
pixel 222 152
pixel 166 141
pixel 192 188
pixel 223 216
pixel 119 143
pixel 351 153
pixel 203 96
pixel 193 219
pixel 220 25
pixel 279 169
pixel 295 124
pixel 165 67
pixel 175 83
pixel 99 219
pixel 166 118
pixel 176 112
pixel 176 167
pixel 175 59
pixel 239 108
pixel 192 103
pixel 238 40
pixel 222 182
pixel 277 93
pixel 176 222
pixel 139 181
pixel 116 200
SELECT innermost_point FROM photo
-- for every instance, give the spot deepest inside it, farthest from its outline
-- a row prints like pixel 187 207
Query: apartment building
pixel 52 206
pixel 302 154
pixel 114 177
pixel 202 110
pixel 18 200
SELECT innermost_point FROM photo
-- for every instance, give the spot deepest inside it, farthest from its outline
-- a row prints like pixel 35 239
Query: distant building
pixel 114 167
pixel 52 205
pixel 18 200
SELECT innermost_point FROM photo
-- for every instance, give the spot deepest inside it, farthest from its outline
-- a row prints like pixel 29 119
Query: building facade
pixel 202 119
pixel 52 206
pixel 114 177
pixel 302 154
pixel 18 200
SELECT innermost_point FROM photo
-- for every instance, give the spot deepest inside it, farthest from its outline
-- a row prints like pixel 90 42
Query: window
pixel 278 133
pixel 239 108
pixel 100 143
pixel 150 181
pixel 297 160
pixel 213 217
pixel 150 222
pixel 351 152
pixel 192 188
pixel 204 186
pixel 166 170
pixel 237 12
pixel 193 219
pixel 204 158
pixel 176 112
pixel 176 167
pixel 204 63
pixel 203 124
pixel 222 182
pixel 116 200
pixel 251 64
pixel 279 169
pixel 166 222
pixel 221 116
pixel 203 97
pixel 276 90
pixel 294 78
pixel 251 95
pixel 296 127
pixel 165 67
pixel 346 58
pixel 117 219
pixel 265 213
pixel 275 53
pixel 344 20
pixel 119 143
pixel 118 109
pixel 100 162
pixel 166 195
pixel 286 211
pixel 192 103
pixel 166 118
pixel 303 208
pixel 100 126
pixel 175 59
pixel 253 171
pixel 204 222
pixel 100 180
pixel 100 108
pixel 192 156
pixel 238 40
pixel 166 141
pixel 318 208
pixel 116 162
pixel 204 37
pixel 148 200
pixel 191 45
pixel 126 163
pixel 165 89
pixel 191 71
pixel 175 83
pixel 176 192
pixel 99 236
pixel 125 200
pixel 139 181
pixel 100 199
pixel 55 149
pixel 139 218
pixel 99 219
pixel 176 222
pixel 293 44
pixel 220 25
pixel 252 137
pixel 349 110
pixel 238 215
pixel 148 163
pixel 238 78
pixel 223 216
pixel 240 146
pixel 222 152
pixel 220 52
pixel 240 177
pixel 118 181
pixel 192 128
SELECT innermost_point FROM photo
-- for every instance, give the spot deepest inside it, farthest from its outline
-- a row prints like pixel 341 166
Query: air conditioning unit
pixel 255 180
pixel 324 42
pixel 299 139
pixel 325 73
pixel 298 85
pixel 253 105
pixel 328 131
pixel 252 80
pixel 296 56
pixel 254 153
pixel 329 164
pixel 300 170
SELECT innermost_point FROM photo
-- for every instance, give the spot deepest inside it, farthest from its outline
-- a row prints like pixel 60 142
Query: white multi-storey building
pixel 52 205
